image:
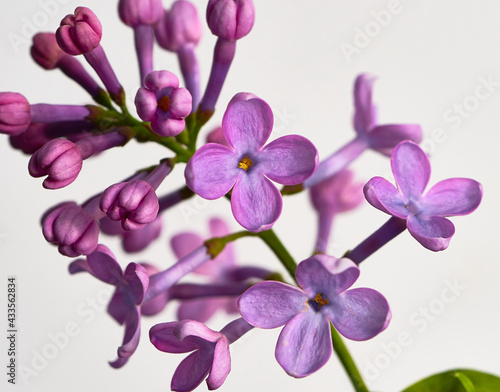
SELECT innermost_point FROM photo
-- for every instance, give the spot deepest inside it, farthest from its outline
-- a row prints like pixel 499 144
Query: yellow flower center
pixel 320 301
pixel 164 103
pixel 245 163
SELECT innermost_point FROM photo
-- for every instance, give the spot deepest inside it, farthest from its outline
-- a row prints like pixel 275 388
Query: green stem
pixel 272 240
pixel 347 361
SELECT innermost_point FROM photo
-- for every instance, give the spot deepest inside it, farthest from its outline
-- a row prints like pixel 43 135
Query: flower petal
pixel 137 280
pixel 163 338
pixel 212 171
pixel 117 306
pixel 433 232
pixel 271 304
pixel 326 275
pixel 192 371
pixel 104 266
pixel 194 329
pixel 365 114
pixel 454 196
pixel 130 340
pixel 184 243
pixel 358 314
pixel 247 125
pixel 221 365
pixel 256 202
pixel 289 160
pixel 384 138
pixel 411 169
pixel 304 344
pixel 384 196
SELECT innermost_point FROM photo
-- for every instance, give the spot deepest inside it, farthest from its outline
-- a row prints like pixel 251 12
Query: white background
pixel 429 58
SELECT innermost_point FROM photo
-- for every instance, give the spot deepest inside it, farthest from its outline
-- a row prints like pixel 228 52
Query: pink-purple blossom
pixel 163 103
pixel 425 212
pixel 15 114
pixel 247 166
pixel 305 343
pixel 79 33
pixel 230 19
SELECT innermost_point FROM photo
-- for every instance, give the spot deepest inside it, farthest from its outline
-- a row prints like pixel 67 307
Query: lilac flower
pixel 211 355
pixel 163 103
pixel 305 343
pixel 247 165
pixel 134 202
pixel 73 228
pixel 330 197
pixel 14 113
pixel 424 213
pixel 222 271
pixel 230 19
pixel 125 304
pixel 381 138
pixel 142 16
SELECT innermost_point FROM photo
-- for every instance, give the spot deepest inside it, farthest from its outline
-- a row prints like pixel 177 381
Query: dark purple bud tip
pixel 73 229
pixel 15 113
pixel 79 33
pixel 45 50
pixel 230 19
pixel 140 12
pixel 179 26
pixel 60 160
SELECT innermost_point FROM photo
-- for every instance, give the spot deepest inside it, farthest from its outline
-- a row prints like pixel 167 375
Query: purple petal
pixel 192 371
pixel 358 314
pixel 411 169
pixel 289 160
pixel 256 203
pixel 364 115
pixel 384 138
pixel 79 265
pixel 247 125
pixel 104 265
pixel 130 340
pixel 199 309
pixel 118 307
pixel 271 304
pixel 137 280
pixel 212 171
pixel 191 328
pixel 304 344
pixel 135 241
pixel 221 364
pixel 384 196
pixel 184 243
pixel 433 232
pixel 326 275
pixel 451 197
pixel 163 338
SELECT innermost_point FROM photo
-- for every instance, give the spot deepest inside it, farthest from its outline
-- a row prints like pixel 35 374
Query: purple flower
pixel 73 228
pixel 79 33
pixel 140 12
pixel 424 213
pixel 46 51
pixel 247 166
pixel 230 19
pixel 163 103
pixel 125 304
pixel 211 355
pixel 305 343
pixel 15 113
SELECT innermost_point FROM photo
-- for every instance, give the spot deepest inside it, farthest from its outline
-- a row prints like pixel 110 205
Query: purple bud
pixel 45 50
pixel 163 103
pixel 134 203
pixel 140 12
pixel 60 160
pixel 79 33
pixel 15 113
pixel 179 26
pixel 230 19
pixel 32 139
pixel 72 228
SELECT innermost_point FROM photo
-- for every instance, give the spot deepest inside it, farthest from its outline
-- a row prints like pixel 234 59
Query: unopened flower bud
pixel 230 19
pixel 15 114
pixel 140 12
pixel 45 50
pixel 79 33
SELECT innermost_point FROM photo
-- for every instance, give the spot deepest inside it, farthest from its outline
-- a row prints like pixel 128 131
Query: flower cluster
pixel 238 163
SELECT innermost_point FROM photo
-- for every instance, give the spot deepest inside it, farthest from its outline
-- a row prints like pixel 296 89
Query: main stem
pixel 272 240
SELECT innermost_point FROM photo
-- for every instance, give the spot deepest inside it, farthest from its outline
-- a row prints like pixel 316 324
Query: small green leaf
pixel 457 380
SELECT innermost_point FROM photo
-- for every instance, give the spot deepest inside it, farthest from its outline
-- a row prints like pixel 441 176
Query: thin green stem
pixel 272 240
pixel 347 361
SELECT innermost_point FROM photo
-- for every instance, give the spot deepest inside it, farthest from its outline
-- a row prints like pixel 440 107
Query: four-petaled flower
pixel 305 343
pixel 247 166
pixel 424 213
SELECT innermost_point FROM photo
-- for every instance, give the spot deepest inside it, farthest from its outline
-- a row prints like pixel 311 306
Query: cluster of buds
pixel 235 163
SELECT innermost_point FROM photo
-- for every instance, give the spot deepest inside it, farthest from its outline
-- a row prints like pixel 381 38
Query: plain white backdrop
pixel 437 63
